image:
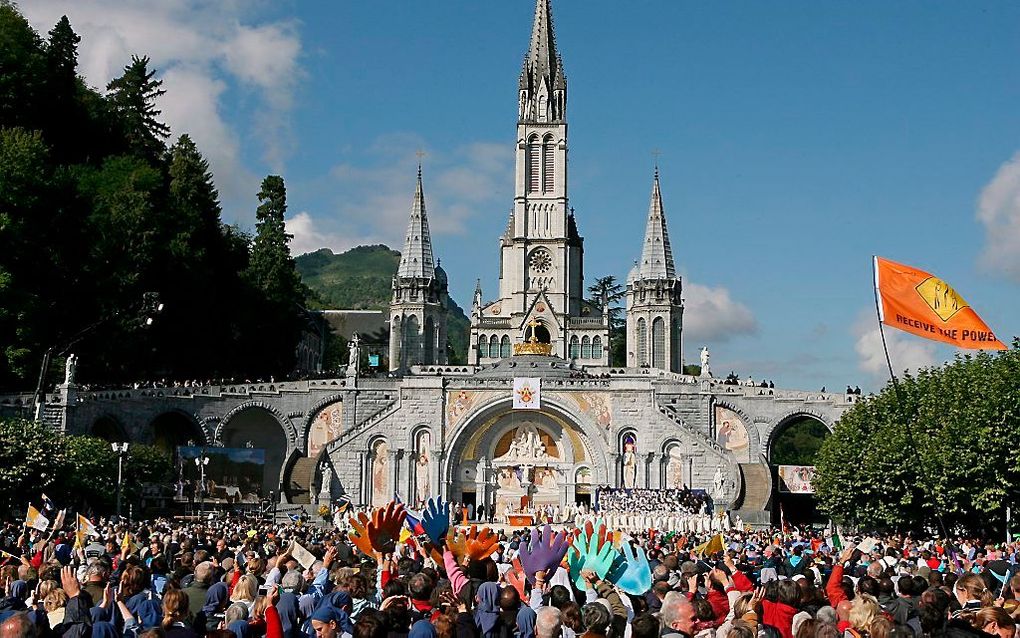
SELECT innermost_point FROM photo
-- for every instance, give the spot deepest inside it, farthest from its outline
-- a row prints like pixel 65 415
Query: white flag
pixel 301 555
pixel 527 393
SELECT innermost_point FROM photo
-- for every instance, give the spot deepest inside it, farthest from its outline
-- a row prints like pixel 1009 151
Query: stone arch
pixel 753 435
pixel 380 471
pixel 317 426
pixel 787 419
pixel 172 428
pixel 109 428
pixel 673 450
pixel 261 426
pixel 594 447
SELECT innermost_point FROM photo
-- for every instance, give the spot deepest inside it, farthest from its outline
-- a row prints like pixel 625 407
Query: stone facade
pixel 433 429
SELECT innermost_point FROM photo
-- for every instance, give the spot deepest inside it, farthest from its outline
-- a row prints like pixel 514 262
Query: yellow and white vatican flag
pixel 527 393
pixel 35 520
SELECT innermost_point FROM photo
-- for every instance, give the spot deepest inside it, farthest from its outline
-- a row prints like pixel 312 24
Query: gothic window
pixel 575 347
pixel 596 348
pixel 412 341
pixel 586 347
pixel 504 346
pixel 429 339
pixel 659 343
pixel 483 346
pixel 548 164
pixel 642 342
pixel 533 164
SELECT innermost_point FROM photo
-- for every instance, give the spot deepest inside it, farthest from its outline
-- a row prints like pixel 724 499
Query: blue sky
pixel 797 139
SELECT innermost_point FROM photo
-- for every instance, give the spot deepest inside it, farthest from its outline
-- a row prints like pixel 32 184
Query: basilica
pixel 538 416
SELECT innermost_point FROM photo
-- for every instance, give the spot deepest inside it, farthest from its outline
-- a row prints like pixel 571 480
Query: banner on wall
pixel 796 479
pixel 527 393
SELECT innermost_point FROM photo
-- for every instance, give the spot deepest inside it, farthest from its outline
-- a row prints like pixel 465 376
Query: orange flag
pixel 922 304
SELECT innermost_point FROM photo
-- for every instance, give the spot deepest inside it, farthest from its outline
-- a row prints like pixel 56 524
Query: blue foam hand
pixel 544 552
pixel 633 575
pixel 435 518
pixel 591 550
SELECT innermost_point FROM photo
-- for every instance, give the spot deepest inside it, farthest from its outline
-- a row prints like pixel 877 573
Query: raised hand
pixel 544 553
pixel 436 520
pixel 515 578
pixel 593 553
pixel 473 545
pixel 633 575
pixel 384 529
pixel 359 535
pixel 69 582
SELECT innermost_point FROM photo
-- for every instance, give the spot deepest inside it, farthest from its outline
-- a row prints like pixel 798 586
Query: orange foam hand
pixel 473 544
pixel 359 535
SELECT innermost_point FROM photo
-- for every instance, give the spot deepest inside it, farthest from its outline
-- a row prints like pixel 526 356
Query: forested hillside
pixel 361 279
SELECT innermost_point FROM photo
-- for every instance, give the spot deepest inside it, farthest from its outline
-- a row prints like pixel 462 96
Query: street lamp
pixel 200 463
pixel 120 449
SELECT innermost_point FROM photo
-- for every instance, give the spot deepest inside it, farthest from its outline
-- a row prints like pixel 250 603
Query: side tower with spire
pixel 418 310
pixel 541 275
pixel 655 305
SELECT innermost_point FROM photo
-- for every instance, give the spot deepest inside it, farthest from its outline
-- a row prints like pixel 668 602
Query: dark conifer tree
pixel 133 97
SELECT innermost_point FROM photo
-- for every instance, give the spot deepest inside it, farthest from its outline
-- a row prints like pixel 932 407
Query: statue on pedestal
pixel 706 369
pixel 354 362
pixel 70 369
pixel 327 479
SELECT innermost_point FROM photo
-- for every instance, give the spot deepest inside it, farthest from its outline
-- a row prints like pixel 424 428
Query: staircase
pixel 300 480
pixel 757 493
pixel 670 412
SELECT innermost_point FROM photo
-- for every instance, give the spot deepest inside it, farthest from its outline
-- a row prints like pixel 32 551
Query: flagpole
pixel 903 403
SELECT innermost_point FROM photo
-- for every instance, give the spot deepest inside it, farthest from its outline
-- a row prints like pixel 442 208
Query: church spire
pixel 656 256
pixel 543 84
pixel 416 260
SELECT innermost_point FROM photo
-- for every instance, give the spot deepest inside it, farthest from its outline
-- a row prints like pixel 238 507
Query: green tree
pixel 133 97
pixel 939 446
pixel 273 275
pixel 92 479
pixel 22 71
pixel 32 460
pixel 607 293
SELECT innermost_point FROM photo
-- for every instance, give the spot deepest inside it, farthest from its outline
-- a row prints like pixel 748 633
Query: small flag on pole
pixel 920 303
pixel 35 520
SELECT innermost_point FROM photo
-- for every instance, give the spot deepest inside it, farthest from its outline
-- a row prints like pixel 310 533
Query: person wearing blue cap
pixel 330 622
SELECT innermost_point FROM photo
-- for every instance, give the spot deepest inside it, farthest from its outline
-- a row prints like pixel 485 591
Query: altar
pixel 528 475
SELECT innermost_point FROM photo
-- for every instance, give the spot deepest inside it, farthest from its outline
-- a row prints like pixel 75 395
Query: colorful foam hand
pixel 380 532
pixel 359 536
pixel 544 553
pixel 632 574
pixel 436 520
pixel 591 550
pixel 515 578
pixel 474 545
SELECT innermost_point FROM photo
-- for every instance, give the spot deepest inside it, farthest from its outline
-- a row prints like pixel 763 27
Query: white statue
pixel 354 362
pixel 421 477
pixel 718 484
pixel 629 465
pixel 706 369
pixel 327 478
pixel 70 369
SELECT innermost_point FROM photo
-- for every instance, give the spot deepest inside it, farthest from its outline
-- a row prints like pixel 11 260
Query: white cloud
pixel 309 237
pixel 711 315
pixel 999 212
pixel 201 50
pixel 459 183
pixel 905 352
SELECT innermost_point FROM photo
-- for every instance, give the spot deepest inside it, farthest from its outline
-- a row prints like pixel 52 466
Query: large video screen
pixel 232 475
pixel 796 479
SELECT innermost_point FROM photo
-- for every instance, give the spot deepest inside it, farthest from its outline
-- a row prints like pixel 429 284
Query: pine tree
pixel 133 97
pixel 274 275
pixel 606 294
pixel 194 202
pixel 62 53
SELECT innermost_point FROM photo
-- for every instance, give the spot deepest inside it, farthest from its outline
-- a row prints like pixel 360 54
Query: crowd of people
pixel 667 510
pixel 384 574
